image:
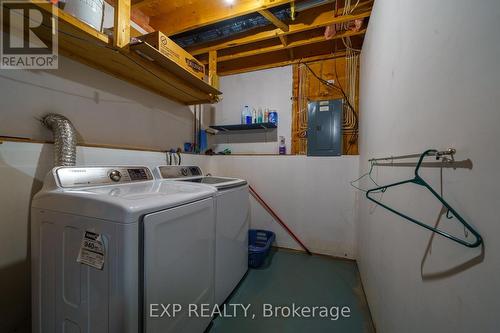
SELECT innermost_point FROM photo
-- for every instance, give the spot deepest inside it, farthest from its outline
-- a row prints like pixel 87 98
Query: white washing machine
pixel 231 227
pixel 110 246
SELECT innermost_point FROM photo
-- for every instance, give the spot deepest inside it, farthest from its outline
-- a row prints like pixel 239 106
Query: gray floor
pixel 291 277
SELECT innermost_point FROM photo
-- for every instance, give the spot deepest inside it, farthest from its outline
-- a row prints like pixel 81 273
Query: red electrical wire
pixel 277 218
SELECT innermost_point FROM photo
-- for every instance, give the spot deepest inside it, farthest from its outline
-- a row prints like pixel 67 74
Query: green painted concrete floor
pixel 291 277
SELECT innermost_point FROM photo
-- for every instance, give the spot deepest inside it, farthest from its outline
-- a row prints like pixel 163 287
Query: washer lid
pixel 124 203
pixel 193 174
pixel 218 182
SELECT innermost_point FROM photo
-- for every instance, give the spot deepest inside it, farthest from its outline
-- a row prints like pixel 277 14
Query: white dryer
pixel 231 226
pixel 154 240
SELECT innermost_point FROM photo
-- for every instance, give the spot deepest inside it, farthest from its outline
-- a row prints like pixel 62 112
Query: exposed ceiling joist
pixel 173 17
pixel 312 19
pixel 142 3
pixel 283 63
pixel 274 20
pixel 289 45
pixel 304 53
pixel 247 46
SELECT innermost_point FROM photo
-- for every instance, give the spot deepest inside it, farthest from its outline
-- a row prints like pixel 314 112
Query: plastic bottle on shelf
pixel 266 115
pixel 254 116
pixel 260 116
pixel 273 117
pixel 244 114
pixel 282 146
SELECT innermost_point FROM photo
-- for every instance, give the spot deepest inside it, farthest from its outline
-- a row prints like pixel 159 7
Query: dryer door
pixel 179 246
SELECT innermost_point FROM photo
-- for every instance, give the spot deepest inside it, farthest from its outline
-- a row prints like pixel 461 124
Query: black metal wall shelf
pixel 244 127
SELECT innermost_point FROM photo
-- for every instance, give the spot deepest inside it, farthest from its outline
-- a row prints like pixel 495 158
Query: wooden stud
pixel 283 40
pixel 122 24
pixel 284 43
pixel 213 78
pixel 274 20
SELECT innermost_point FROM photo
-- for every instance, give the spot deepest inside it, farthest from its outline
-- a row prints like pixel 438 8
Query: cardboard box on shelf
pixel 174 52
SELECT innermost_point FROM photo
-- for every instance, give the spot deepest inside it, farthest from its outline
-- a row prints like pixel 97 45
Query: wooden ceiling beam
pixel 198 13
pixel 289 45
pixel 307 53
pixel 327 56
pixel 274 20
pixel 308 20
pixel 142 3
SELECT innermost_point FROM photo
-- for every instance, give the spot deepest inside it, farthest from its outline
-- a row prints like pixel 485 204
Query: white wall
pixel 430 78
pixel 102 108
pixel 271 88
pixel 311 194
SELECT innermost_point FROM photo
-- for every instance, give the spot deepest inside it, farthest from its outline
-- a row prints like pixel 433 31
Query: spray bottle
pixel 282 146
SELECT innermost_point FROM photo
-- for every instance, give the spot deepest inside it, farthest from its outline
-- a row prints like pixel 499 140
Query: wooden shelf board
pixel 83 43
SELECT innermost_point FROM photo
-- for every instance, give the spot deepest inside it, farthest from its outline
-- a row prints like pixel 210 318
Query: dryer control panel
pixel 179 171
pixel 68 177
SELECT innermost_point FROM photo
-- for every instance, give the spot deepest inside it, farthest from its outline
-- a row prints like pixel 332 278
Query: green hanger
pixel 420 181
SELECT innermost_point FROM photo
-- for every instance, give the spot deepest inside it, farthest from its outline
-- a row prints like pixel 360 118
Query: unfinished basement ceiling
pixel 240 24
pixel 228 28
pixel 251 35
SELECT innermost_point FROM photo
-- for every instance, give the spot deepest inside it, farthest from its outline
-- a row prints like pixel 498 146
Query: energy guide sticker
pixel 92 250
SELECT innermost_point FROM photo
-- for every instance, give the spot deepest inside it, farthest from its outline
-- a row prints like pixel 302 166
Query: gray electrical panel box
pixel 324 133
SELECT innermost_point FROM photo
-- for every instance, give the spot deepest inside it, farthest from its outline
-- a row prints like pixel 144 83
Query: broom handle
pixel 277 218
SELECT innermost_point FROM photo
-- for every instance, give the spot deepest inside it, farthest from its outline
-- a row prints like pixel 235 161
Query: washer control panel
pixel 179 171
pixel 93 176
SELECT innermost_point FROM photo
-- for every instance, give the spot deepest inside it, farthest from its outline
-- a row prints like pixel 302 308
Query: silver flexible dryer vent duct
pixel 64 139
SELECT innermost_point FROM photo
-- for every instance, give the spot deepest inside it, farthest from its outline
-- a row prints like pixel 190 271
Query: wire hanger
pixel 369 175
pixel 450 211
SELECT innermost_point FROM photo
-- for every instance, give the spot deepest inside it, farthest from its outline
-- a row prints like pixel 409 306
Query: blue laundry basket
pixel 259 245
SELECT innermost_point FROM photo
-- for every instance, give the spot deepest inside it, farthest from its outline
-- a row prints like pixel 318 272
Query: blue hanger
pixel 420 181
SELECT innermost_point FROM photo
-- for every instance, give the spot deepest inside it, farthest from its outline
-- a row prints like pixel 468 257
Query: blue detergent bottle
pixel 244 114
